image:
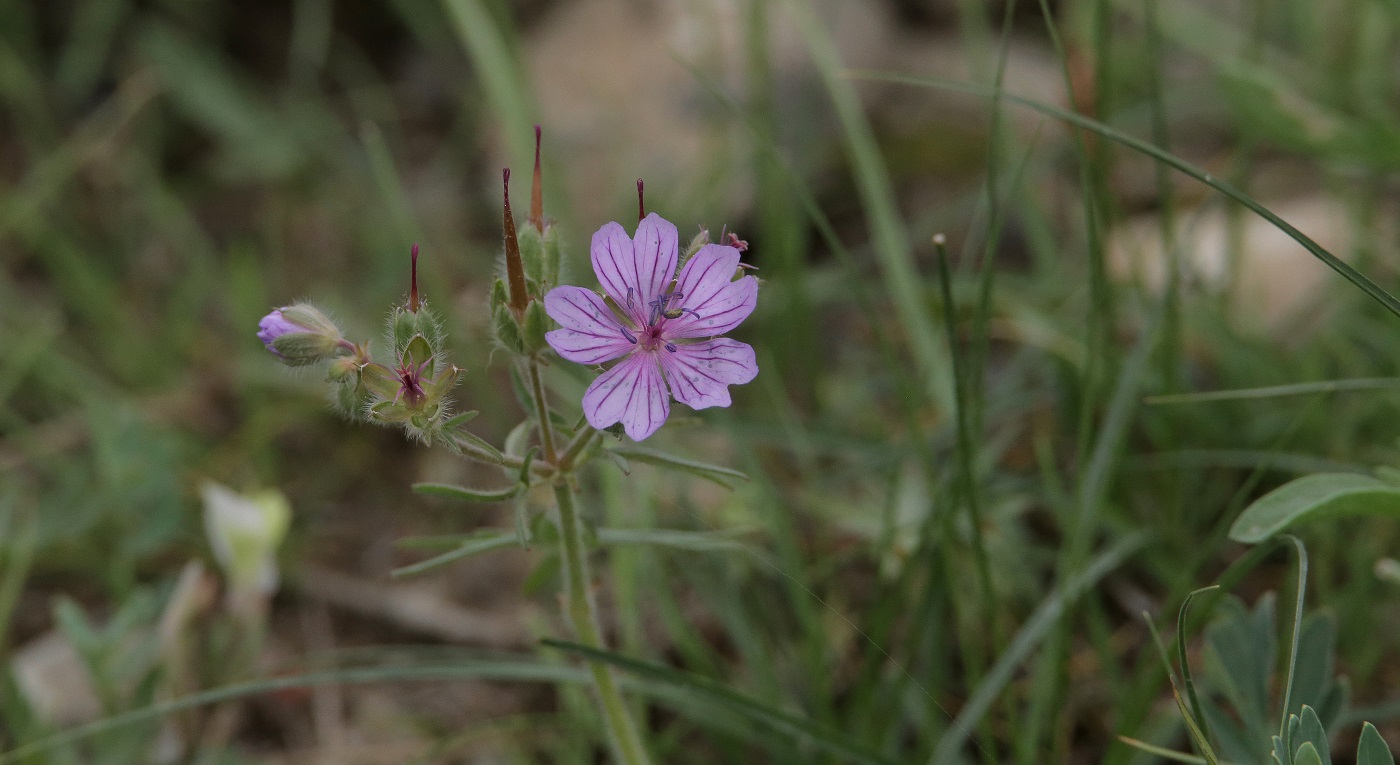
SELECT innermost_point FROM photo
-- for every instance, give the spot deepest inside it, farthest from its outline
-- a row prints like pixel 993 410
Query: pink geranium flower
pixel 665 328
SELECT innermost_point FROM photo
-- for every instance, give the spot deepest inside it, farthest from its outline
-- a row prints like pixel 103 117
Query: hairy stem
pixel 576 447
pixel 583 615
pixel 542 414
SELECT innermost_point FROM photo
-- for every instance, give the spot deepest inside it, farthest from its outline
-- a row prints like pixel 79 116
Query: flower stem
pixel 583 615
pixel 542 413
pixel 576 447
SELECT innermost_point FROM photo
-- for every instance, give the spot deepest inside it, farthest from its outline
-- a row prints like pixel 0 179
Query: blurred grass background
pixel 171 170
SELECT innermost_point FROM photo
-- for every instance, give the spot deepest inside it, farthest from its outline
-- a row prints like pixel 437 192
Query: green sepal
pixel 500 294
pixel 380 381
pixel 536 324
pixel 552 257
pixel 438 387
pixel 507 329
pixel 388 411
pixel 310 317
pixel 418 352
pixel 532 253
pixel 404 325
pixel 299 349
pixel 349 399
pixel 345 369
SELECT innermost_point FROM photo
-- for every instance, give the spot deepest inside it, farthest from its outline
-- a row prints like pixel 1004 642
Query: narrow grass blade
pixel 1035 628
pixel 505 84
pixel 1275 391
pixel 1163 752
pixel 519 669
pixel 900 276
pixel 484 543
pixel 1336 264
pixel 762 713
pixel 1198 736
pixel 1297 632
pixel 1186 678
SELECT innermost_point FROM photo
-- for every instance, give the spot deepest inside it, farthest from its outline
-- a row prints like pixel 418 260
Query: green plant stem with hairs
pixel 581 609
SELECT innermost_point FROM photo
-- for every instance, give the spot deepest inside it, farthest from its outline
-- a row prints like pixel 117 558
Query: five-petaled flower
pixel 664 327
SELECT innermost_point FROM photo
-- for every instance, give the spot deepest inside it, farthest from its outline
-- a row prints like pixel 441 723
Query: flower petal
pixel 655 254
pixel 611 253
pixel 633 393
pixel 636 271
pixel 590 332
pixel 700 374
pixel 714 303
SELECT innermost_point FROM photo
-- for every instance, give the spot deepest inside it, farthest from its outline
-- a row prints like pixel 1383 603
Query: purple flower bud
pixel 273 326
pixel 299 334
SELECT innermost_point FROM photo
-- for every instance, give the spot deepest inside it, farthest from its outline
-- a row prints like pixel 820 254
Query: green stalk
pixel 582 611
pixel 583 615
pixel 542 412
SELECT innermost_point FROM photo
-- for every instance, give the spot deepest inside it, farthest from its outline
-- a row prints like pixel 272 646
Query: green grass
pixel 966 482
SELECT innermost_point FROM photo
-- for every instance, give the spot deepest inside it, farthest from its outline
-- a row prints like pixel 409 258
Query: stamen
pixel 631 338
pixel 671 347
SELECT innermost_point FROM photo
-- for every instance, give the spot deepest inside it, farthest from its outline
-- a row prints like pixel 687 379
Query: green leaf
pixel 473 443
pixel 1241 650
pixel 479 543
pixel 1314 497
pixel 1307 755
pixel 722 696
pixel 1311 733
pixel 463 494
pixel 720 475
pixel 1372 750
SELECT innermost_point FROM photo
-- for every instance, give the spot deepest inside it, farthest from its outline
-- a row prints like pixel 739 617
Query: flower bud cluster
pixel 531 269
pixel 410 391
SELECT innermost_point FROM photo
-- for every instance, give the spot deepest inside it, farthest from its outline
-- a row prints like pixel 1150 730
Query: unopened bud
pixel 299 334
pixel 343 369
